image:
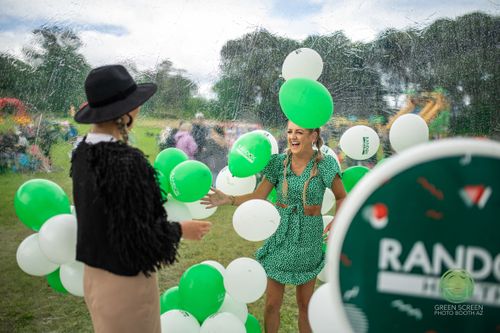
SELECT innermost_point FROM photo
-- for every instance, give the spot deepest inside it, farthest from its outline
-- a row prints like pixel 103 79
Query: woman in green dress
pixel 293 254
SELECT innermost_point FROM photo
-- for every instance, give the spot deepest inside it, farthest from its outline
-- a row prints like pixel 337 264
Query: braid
pixel 317 159
pixel 284 189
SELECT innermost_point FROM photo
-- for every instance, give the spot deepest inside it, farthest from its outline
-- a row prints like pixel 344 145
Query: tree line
pixel 456 56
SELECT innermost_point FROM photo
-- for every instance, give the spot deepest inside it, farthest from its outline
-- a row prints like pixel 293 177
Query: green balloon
pixel 55 283
pixel 249 154
pixel 272 196
pixel 252 325
pixel 166 161
pixel 190 181
pixel 306 102
pixel 164 184
pixel 352 175
pixel 201 291
pixel 169 300
pixel 37 200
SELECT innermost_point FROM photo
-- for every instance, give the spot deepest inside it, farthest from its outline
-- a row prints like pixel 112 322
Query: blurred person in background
pixel 200 133
pixel 216 149
pixel 184 140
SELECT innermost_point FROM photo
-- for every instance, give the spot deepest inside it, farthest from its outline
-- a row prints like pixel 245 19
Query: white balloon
pixel 176 211
pixel 272 141
pixel 72 277
pixel 232 185
pixel 31 259
pixel 326 220
pixel 360 142
pixel 256 220
pixel 57 238
pixel 177 321
pixel 323 275
pixel 199 211
pixel 217 265
pixel 245 280
pixel 329 151
pixel 222 323
pixel 302 63
pixel 408 130
pixel 239 309
pixel 328 201
pixel 320 310
pixel 72 209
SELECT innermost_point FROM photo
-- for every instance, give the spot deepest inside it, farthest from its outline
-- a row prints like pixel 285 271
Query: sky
pixel 191 33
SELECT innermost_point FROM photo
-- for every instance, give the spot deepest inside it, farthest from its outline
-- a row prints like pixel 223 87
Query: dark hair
pixel 219 130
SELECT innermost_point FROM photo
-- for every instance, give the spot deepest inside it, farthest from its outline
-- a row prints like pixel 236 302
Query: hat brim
pixel 93 115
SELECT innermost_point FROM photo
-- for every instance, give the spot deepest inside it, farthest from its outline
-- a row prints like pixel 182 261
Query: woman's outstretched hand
pixel 215 198
pixel 195 230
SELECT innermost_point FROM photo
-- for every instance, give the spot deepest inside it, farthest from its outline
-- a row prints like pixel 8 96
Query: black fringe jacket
pixel 122 225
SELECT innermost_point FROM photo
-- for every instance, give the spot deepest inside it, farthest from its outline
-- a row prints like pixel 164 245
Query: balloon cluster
pixel 211 298
pixel 305 101
pixel 186 180
pixel 43 206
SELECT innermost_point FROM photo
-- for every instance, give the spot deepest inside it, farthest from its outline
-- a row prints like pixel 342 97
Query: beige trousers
pixel 122 303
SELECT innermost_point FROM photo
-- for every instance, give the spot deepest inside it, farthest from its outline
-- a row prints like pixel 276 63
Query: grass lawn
pixel 30 305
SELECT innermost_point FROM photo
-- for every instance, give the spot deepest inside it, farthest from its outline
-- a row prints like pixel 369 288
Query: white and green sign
pixel 416 247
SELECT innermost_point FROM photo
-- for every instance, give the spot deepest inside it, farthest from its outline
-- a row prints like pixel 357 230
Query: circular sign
pixel 432 208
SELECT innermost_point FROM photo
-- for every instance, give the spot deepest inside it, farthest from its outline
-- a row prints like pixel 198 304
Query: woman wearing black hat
pixel 123 232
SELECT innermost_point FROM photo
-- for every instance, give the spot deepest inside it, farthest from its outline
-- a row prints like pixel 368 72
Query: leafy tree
pixel 175 92
pixel 59 71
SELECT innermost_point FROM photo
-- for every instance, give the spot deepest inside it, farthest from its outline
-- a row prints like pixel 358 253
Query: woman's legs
pixel 304 294
pixel 274 299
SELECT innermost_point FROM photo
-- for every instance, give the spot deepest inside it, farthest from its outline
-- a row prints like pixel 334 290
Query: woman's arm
pixel 340 194
pixel 219 198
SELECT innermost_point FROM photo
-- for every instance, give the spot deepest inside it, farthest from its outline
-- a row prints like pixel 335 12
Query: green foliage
pixel 58 70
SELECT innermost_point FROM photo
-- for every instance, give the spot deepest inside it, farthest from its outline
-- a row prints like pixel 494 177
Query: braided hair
pixel 314 170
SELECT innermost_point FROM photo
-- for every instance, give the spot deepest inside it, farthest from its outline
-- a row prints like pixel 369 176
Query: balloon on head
pixel 306 103
pixel 408 130
pixel 302 63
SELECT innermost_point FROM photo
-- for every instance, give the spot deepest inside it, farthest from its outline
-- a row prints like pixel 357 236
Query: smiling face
pixel 300 140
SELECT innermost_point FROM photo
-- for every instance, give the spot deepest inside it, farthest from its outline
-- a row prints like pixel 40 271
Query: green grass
pixel 30 305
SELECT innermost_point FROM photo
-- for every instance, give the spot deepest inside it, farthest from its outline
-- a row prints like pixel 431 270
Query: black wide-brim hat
pixel 111 92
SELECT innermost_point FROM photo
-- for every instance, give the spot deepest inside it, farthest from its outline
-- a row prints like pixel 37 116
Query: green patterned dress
pixel 293 254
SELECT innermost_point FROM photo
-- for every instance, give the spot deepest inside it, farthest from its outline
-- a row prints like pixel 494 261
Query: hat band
pixel 115 98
